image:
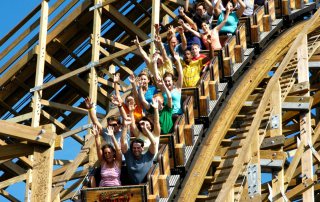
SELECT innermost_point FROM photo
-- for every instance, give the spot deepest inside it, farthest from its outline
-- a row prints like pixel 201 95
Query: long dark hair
pixel 144 119
pixel 110 147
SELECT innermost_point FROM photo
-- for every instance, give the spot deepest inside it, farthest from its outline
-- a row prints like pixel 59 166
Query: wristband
pixel 92 108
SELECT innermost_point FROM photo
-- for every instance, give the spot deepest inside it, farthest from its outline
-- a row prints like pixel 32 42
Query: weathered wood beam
pixel 25 160
pixel 8 196
pixel 10 151
pixel 13 180
pixel 61 125
pixel 76 81
pixel 64 107
pixel 20 118
pixel 300 189
pixel 35 135
pixel 125 22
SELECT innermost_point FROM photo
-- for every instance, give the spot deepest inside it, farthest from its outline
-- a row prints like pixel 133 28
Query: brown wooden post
pixel 305 119
pixel 277 176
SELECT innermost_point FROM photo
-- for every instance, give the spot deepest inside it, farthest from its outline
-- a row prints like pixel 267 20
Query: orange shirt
pixel 138 112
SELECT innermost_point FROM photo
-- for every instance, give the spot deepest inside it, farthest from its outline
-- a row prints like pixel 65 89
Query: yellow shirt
pixel 166 67
pixel 191 72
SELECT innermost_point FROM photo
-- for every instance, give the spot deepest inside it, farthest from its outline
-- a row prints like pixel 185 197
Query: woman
pixel 110 159
pixel 175 90
pixel 214 33
pixel 231 24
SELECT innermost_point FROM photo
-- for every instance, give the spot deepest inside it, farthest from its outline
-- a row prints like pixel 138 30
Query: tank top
pixel 215 40
pixel 110 176
pixel 231 24
pixel 176 100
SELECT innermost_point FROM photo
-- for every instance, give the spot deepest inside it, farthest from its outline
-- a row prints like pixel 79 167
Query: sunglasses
pixel 113 125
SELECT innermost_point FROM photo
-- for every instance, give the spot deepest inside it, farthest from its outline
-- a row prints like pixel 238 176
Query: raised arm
pixel 217 10
pixel 143 100
pixel 165 90
pixel 179 70
pixel 123 140
pixel 161 48
pixel 116 145
pixel 92 113
pixel 153 143
pixel 134 90
pixel 133 125
pixel 184 25
pixel 192 24
pixel 183 38
pixel 211 51
pixel 157 127
pixel 95 131
pixel 210 9
pixel 117 101
pixel 228 8
pixel 143 54
pixel 241 9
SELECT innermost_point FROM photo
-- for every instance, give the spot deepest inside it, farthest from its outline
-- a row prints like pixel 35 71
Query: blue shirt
pixel 231 24
pixel 176 101
pixel 138 168
pixel 152 90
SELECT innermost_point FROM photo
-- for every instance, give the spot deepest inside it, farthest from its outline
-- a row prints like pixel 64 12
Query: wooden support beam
pixel 75 131
pixel 300 189
pixel 123 20
pixel 272 142
pixel 64 107
pixel 73 167
pixel 155 19
pixel 20 118
pixel 8 196
pixel 76 81
pixel 13 180
pixel 35 135
pixel 61 125
pixel 168 11
pixel 305 118
pixel 10 151
pixel 297 103
pixel 299 88
pixel 25 160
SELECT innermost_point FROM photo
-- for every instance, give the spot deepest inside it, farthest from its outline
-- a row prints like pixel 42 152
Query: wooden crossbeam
pixel 61 125
pixel 8 196
pixel 25 160
pixel 299 189
pixel 13 180
pixel 20 118
pixel 30 134
pixel 123 20
pixel 64 107
pixel 10 151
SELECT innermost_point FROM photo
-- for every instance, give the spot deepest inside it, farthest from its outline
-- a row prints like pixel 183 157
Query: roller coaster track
pixel 234 140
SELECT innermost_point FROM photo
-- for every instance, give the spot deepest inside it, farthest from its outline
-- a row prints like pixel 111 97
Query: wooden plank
pixel 64 107
pixel 8 196
pixel 13 180
pixel 155 19
pixel 20 118
pixel 301 188
pixel 10 151
pixel 127 24
pixel 305 117
pixel 76 81
pixel 27 133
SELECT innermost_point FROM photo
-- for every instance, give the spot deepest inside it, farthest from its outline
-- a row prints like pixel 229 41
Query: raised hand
pixel 131 106
pixel 176 56
pixel 89 103
pixel 110 131
pixel 136 41
pixel 95 130
pixel 155 57
pixel 116 78
pixel 157 27
pixel 116 100
pixel 181 11
pixel 180 29
pixel 155 103
pixel 127 121
pixel 132 78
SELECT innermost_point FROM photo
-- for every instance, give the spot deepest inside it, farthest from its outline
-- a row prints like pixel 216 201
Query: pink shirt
pixel 215 40
pixel 110 176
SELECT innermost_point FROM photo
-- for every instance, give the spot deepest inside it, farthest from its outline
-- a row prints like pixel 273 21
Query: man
pixel 139 164
pixel 201 14
pixel 192 68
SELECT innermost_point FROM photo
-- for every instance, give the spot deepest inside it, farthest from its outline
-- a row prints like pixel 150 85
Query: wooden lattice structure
pixel 74 54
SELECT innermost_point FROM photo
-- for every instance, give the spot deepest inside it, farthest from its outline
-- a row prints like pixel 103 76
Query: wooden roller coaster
pixel 250 128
